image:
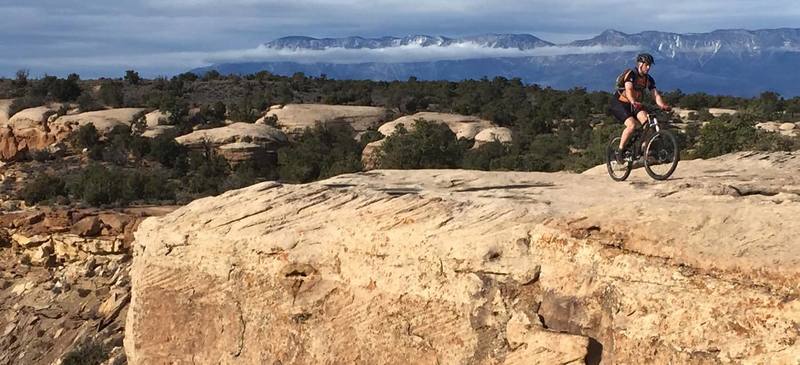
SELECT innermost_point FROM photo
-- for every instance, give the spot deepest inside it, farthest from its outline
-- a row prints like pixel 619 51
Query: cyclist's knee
pixel 642 116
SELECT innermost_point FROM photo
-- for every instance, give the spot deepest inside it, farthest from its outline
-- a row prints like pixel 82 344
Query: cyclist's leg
pixel 624 114
pixel 642 116
pixel 630 126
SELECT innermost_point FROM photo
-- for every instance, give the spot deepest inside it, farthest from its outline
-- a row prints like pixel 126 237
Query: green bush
pixel 85 137
pixel 43 187
pixel 97 185
pixel 207 173
pixel 87 353
pixel 320 152
pixel 87 103
pixel 165 150
pixel 725 135
pixel 28 101
pixel 429 146
pixel 485 157
pixel 111 94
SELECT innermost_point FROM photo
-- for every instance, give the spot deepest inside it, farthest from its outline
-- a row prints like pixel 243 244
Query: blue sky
pixel 103 38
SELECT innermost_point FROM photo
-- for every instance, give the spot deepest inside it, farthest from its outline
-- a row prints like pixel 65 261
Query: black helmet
pixel 645 58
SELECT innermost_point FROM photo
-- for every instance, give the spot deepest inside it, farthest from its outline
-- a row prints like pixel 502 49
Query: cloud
pixel 56 34
pixel 406 53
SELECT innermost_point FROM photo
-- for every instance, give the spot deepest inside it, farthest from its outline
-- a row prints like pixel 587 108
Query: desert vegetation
pixel 553 130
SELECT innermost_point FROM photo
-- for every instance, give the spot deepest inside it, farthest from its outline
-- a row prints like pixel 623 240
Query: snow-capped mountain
pixel 735 62
pixel 519 41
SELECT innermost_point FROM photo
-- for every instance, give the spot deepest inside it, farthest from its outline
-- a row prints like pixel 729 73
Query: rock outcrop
pixel 450 267
pixel 38 128
pixel 5 105
pixel 294 118
pixel 463 126
pixel 784 128
pixel 239 142
pixel 104 120
pixel 264 135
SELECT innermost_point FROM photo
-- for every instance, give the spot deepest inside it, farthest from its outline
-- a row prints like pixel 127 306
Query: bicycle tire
pixel 661 148
pixel 611 163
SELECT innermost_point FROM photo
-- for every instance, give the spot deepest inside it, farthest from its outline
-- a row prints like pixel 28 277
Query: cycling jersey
pixel 640 83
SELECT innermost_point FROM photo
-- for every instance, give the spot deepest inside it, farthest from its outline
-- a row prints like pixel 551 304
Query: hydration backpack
pixel 620 84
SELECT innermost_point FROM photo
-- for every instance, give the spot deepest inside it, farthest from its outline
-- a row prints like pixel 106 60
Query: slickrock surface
pixel 457 267
pixel 294 118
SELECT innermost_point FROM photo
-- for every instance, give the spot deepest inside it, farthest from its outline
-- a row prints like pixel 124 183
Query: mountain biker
pixel 626 104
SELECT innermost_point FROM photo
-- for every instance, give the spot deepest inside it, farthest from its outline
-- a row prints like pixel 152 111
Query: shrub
pixel 428 146
pixel 207 173
pixel 484 157
pixel 111 94
pixel 87 353
pixel 132 77
pixel 43 187
pixel 97 185
pixel 320 152
pixel 85 137
pixel 87 103
pixel 166 151
pixel 725 135
pixel 25 102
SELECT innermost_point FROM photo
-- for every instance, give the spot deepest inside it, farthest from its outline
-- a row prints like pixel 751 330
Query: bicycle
pixel 656 145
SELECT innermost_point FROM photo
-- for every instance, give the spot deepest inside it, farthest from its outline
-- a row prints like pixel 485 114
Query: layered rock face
pixel 453 267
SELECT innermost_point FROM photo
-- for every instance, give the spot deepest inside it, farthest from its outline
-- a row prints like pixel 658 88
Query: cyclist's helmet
pixel 645 58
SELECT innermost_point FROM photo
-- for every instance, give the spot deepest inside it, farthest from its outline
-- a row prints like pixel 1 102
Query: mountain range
pixel 725 62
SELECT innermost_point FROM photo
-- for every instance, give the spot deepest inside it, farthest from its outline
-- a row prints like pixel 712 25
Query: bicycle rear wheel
pixel 661 155
pixel 617 171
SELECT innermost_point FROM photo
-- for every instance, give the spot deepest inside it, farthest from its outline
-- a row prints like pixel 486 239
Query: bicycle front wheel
pixel 661 155
pixel 617 171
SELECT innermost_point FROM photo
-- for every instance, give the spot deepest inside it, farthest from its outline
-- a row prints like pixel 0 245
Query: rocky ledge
pixel 452 267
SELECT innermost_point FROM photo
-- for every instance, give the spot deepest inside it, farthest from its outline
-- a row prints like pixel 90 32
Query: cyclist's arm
pixel 659 100
pixel 629 92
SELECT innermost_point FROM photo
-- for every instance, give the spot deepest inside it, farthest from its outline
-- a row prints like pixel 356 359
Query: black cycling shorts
pixel 621 111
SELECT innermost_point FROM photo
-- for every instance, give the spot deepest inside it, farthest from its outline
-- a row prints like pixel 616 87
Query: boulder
pixel 239 152
pixel 496 134
pixel 683 113
pixel 4 111
pixel 34 129
pixel 462 125
pixel 266 136
pixel 720 111
pixel 294 118
pixel 451 266
pixel 769 126
pixel 156 118
pixel 370 156
pixel 160 130
pixel 88 226
pixel 32 117
pixel 104 120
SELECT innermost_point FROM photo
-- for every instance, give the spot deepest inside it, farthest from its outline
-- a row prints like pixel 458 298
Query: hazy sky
pixel 104 38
